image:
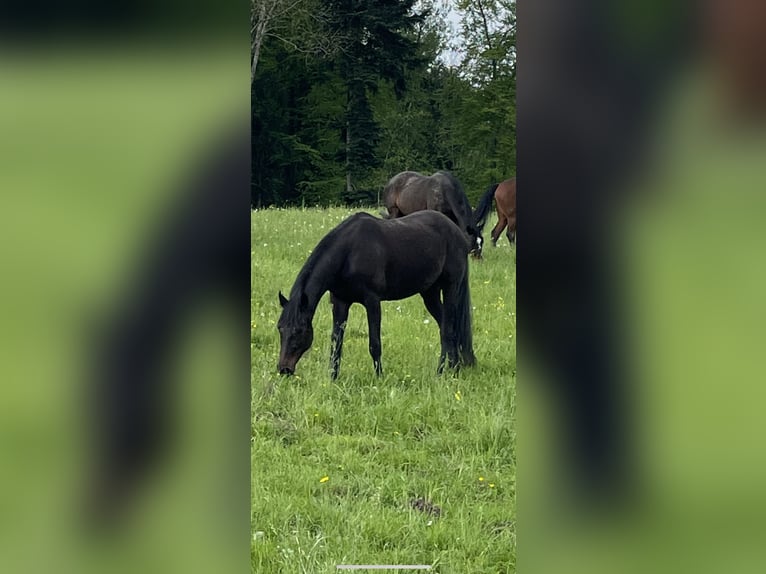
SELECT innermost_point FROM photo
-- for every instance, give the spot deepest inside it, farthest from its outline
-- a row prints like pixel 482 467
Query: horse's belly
pixel 388 284
pixel 401 283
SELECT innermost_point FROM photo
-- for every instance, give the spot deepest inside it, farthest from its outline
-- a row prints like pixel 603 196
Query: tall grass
pixel 338 466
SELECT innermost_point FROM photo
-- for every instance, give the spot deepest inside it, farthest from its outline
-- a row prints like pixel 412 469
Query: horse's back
pixel 421 228
pixel 392 193
pixel 441 245
pixel 410 192
pixel 435 224
pixel 507 189
pixel 440 191
pixel 355 219
pixel 428 218
pixel 397 258
pixel 405 193
pixel 449 238
pixel 400 182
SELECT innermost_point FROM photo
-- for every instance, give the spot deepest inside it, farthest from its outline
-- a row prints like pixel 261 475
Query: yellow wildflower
pixel 458 396
pixel 324 479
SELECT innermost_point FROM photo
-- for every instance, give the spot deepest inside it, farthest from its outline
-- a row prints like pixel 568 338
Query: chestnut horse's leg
pixel 373 324
pixel 498 229
pixel 511 231
pixel 339 317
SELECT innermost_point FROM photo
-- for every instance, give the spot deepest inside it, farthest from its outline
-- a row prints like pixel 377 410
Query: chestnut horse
pixel 505 198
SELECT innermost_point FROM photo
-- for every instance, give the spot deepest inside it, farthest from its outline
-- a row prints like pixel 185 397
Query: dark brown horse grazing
pixel 410 191
pixel 505 198
pixel 367 260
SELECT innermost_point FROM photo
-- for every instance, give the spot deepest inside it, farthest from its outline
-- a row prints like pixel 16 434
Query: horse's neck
pixel 463 221
pixel 460 209
pixel 316 281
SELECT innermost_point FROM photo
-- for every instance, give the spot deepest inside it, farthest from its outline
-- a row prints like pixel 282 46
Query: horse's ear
pixel 282 299
pixel 304 301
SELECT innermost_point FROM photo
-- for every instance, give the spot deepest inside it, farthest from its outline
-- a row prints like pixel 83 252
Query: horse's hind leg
pixel 432 300
pixel 433 303
pixel 373 324
pixel 339 318
pixel 498 229
pixel 448 329
pixel 511 231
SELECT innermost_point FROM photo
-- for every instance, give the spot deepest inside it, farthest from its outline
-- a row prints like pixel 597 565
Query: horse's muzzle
pixel 286 371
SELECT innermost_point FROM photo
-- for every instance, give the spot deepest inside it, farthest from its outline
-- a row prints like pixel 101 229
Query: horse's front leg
pixel 339 318
pixel 373 324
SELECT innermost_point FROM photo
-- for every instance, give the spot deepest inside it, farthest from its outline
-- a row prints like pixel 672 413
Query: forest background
pixel 347 93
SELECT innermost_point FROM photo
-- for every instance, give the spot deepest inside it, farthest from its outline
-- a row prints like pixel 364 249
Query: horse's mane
pixel 319 252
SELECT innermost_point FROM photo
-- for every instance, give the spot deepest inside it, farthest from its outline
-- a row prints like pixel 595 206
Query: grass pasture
pixel 411 468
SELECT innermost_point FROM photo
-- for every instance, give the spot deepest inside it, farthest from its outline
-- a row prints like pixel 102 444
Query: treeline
pixel 347 93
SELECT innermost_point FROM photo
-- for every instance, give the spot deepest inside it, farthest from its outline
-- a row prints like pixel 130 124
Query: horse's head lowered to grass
pixel 296 332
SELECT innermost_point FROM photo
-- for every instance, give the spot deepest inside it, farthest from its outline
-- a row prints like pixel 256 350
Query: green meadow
pixel 409 468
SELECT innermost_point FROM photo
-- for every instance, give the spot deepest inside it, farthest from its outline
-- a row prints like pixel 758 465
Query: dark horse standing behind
pixel 368 260
pixel 409 191
pixel 504 194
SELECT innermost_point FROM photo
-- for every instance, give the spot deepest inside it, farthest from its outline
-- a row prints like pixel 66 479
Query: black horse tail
pixel 464 328
pixel 483 208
